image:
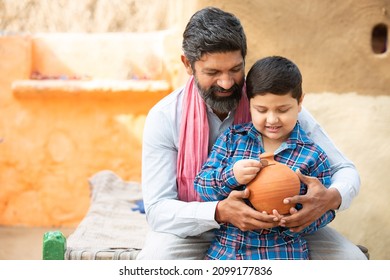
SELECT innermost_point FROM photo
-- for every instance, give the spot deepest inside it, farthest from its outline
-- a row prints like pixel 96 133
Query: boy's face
pixel 275 116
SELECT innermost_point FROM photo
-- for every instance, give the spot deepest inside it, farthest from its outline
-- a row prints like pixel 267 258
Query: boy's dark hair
pixel 212 30
pixel 274 74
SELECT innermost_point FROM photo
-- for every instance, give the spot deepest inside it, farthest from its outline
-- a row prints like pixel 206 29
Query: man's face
pixel 220 78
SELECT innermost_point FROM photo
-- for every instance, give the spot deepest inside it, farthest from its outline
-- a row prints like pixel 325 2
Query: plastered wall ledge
pixel 39 88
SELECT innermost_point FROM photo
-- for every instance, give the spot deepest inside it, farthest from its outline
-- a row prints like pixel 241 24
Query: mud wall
pixel 71 106
pixel 331 41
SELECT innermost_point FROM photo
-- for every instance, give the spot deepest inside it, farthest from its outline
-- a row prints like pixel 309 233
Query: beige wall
pixel 329 40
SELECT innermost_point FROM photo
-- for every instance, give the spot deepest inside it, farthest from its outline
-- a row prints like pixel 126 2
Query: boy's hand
pixel 245 170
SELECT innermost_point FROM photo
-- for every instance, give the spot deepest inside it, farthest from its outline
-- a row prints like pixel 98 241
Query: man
pixel 180 131
pixel 274 90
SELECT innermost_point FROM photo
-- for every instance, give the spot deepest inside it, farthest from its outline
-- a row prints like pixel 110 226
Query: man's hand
pixel 315 202
pixel 235 211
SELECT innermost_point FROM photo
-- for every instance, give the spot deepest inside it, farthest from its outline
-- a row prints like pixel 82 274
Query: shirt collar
pixel 297 136
pixel 210 111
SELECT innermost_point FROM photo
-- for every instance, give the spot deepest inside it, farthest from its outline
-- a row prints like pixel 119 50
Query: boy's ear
pixel 300 101
pixel 187 65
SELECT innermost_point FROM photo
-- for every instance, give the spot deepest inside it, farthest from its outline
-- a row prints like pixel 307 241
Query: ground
pixel 24 243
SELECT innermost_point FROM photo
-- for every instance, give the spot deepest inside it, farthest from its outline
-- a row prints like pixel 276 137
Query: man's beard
pixel 220 104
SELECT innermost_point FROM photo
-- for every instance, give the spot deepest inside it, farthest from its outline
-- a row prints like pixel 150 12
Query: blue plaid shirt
pixel 216 180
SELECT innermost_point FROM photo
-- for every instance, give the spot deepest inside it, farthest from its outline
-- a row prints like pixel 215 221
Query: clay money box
pixel 272 184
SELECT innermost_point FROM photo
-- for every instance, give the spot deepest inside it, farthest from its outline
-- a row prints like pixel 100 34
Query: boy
pixel 274 90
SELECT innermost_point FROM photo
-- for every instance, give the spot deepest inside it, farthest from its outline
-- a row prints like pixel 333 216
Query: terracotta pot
pixel 272 184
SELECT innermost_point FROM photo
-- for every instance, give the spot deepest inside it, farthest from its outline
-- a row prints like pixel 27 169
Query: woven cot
pixel 113 228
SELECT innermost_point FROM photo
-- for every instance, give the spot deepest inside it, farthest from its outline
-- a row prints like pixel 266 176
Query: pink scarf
pixel 194 138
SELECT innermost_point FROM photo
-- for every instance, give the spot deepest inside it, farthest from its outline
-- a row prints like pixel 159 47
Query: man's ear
pixel 187 65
